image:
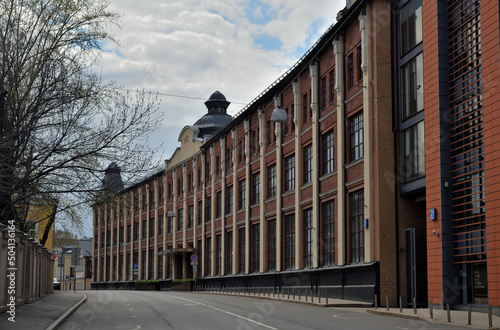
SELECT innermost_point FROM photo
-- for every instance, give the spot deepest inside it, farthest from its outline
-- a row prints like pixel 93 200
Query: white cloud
pixel 195 47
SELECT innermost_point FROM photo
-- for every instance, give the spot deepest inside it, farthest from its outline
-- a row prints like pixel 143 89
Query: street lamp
pixel 279 116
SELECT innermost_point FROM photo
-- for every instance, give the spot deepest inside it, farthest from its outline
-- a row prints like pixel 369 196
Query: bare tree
pixel 60 124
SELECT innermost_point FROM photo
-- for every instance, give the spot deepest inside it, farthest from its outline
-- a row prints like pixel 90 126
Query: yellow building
pixel 40 214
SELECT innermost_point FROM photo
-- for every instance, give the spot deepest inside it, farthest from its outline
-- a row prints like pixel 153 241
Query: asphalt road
pixel 178 310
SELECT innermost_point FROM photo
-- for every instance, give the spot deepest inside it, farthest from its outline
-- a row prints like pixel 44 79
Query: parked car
pixel 57 285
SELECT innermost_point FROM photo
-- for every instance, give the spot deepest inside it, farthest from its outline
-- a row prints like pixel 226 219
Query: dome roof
pixel 217 116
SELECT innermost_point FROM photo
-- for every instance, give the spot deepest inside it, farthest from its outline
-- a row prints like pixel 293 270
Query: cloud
pixel 195 47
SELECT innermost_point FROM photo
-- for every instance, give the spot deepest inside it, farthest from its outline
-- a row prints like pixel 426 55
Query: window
pixel 289 242
pixel 308 238
pixel 218 254
pixel 411 25
pixel 256 188
pixel 208 209
pixel 328 232
pixel 242 194
pixel 170 228
pixel 229 253
pixel 350 71
pixel 218 206
pixel 412 82
pixel 308 164
pixel 254 144
pixel 255 254
pixel 305 108
pixel 179 187
pixel 356 136
pixel 169 263
pixel 151 264
pixel 200 212
pixel 360 59
pixel 271 245
pixel 152 227
pixel 333 92
pixel 160 263
pixel 328 153
pixel 161 225
pixel 129 234
pixel 180 219
pixel 217 165
pixel 144 229
pixel 190 216
pixel 286 124
pixel 229 163
pixel 413 152
pixel 269 133
pixel 240 151
pixel 229 203
pixel 289 174
pixel 190 182
pixel 144 263
pixel 241 249
pixel 323 93
pixel 356 201
pixel 271 181
pixel 208 248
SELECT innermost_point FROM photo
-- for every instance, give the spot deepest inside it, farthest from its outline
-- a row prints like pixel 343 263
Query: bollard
pixel 448 312
pixel 414 305
pixel 299 294
pixel 326 297
pixel 312 298
pixel 469 316
pixel 319 298
pixel 387 302
pixel 376 301
pixel 400 304
pixel 305 296
pixel 431 310
pixel 490 318
pixel 293 291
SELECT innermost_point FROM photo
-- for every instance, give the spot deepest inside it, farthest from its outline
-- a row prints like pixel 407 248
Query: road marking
pixel 340 317
pixel 227 312
pixel 130 309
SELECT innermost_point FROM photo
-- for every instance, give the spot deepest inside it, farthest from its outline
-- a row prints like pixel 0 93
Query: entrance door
pixel 416 266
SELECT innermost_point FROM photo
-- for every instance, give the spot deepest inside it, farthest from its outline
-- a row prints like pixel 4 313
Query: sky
pixel 188 49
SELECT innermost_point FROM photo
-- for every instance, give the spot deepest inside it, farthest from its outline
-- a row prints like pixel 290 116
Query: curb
pixel 424 318
pixel 57 323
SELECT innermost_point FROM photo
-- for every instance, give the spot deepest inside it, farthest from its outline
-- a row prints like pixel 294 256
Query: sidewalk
pixel 459 318
pixel 46 313
pixel 478 320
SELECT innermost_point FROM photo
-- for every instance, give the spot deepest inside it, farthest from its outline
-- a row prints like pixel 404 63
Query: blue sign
pixel 365 223
pixel 136 266
pixel 194 258
pixel 67 277
pixel 433 214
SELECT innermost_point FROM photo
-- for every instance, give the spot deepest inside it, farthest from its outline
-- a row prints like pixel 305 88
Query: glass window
pixel 328 209
pixel 242 194
pixel 190 216
pixel 289 174
pixel 255 248
pixel 271 245
pixel 180 219
pixel 328 153
pixel 414 152
pixel 208 248
pixel 323 93
pixel 308 238
pixel 356 136
pixel 333 92
pixel 289 241
pixel 350 71
pixel 218 250
pixel 229 252
pixel 412 84
pixel 241 249
pixel 218 208
pixel 410 18
pixel 256 188
pixel 229 202
pixel 308 164
pixel 356 227
pixel 208 209
pixel 271 181
pixel 305 106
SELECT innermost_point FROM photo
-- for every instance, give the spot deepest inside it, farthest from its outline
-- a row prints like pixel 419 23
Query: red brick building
pixel 305 203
